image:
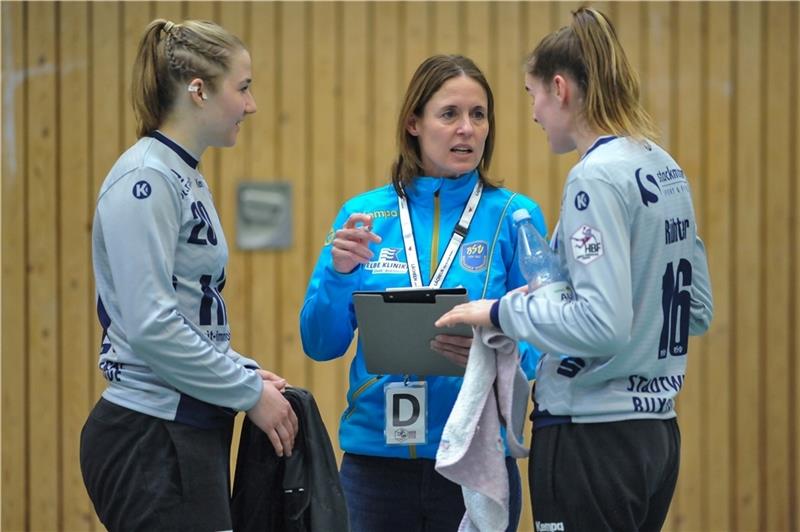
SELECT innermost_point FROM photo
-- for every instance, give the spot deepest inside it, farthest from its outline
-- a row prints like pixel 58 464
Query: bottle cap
pixel 520 214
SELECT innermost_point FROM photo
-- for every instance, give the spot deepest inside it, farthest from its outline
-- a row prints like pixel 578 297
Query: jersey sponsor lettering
pixel 666 182
pixel 388 262
pixel 648 196
pixel 653 405
pixel 111 370
pixel 219 336
pixel 570 366
pixel 660 392
pixel 662 384
pixel 186 185
pixel 670 175
pixel 587 244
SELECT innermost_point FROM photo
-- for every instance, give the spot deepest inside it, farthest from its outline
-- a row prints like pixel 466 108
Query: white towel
pixel 471 451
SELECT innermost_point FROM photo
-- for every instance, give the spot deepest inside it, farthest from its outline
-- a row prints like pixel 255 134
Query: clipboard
pixel 395 328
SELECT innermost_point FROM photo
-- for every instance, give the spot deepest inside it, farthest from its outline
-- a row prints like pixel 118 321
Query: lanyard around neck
pixel 456 238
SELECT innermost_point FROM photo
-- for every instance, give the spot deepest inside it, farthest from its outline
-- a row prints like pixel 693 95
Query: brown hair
pixel 589 51
pixel 169 56
pixel 426 81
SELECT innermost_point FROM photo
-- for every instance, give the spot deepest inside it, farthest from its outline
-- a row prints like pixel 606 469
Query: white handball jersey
pixel 159 259
pixel 628 236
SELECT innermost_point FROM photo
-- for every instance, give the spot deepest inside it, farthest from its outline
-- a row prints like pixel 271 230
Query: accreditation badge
pixel 406 409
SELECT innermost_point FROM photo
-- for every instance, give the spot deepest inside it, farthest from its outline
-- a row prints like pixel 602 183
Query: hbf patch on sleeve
pixel 587 244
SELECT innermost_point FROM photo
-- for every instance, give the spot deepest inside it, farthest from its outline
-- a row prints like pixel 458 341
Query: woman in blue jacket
pixel 445 134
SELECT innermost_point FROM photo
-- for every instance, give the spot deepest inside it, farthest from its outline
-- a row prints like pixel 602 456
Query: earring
pixel 196 88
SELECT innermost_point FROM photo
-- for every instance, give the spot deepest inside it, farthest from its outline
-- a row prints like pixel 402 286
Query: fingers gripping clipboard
pixel 395 328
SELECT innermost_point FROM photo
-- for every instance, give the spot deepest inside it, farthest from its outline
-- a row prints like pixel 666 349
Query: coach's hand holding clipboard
pixel 398 335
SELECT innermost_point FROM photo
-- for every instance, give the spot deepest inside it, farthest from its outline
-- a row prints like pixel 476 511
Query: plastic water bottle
pixel 538 263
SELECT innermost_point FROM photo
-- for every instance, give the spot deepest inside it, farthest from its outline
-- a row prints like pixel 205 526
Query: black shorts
pixel 604 476
pixel 145 473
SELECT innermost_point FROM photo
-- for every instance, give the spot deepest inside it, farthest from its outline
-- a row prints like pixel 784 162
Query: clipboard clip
pixel 418 295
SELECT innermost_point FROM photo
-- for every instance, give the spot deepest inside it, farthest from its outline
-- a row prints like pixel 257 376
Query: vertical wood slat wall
pixel 721 79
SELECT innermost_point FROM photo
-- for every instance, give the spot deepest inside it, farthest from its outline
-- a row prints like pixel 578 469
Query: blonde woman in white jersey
pixel 155 449
pixel 606 450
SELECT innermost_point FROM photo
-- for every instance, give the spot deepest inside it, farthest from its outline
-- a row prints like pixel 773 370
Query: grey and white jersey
pixel 628 236
pixel 159 258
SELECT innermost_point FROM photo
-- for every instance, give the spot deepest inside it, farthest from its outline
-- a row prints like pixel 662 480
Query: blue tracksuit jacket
pixel 486 265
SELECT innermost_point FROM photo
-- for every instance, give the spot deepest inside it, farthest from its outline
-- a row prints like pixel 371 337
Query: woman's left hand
pixel 475 313
pixel 453 348
pixel 276 380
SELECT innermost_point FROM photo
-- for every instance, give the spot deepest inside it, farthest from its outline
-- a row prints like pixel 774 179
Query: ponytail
pixel 590 53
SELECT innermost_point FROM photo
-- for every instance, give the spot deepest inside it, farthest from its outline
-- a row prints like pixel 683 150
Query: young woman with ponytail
pixel 155 449
pixel 606 445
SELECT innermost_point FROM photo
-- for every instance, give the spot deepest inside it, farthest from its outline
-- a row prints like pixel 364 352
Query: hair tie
pixel 168 26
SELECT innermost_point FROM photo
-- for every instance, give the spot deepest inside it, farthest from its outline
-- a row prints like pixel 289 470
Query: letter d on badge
pixel 406 411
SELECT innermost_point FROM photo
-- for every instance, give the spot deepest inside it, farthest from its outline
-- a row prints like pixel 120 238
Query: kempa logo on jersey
pixel 548 527
pixel 142 190
pixel 581 200
pixel 391 213
pixel 387 262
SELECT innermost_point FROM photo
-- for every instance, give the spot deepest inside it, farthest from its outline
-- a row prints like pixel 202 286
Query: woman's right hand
pixel 274 415
pixel 351 243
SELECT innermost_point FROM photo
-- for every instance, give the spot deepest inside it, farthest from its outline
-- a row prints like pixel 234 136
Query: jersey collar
pixel 454 191
pixel 183 154
pixel 597 143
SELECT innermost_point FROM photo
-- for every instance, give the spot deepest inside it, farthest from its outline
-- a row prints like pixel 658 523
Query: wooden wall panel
pixel 476 39
pixel 718 372
pixel 775 237
pixel 748 301
pixel 794 402
pixel 76 285
pixel 43 264
pixel 506 80
pixel 328 82
pixel 387 85
pixel 294 131
pixel 15 417
pixel 257 136
pixel 447 27
pixel 417 35
pixel 135 17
